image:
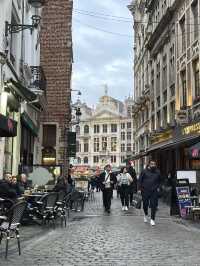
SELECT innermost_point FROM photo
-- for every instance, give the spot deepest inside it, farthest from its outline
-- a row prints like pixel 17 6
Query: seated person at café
pixel 61 185
pixel 6 188
pixel 22 184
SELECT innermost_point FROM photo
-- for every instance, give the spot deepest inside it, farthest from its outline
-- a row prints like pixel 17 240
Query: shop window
pixel 49 135
pixel 79 160
pixel 49 156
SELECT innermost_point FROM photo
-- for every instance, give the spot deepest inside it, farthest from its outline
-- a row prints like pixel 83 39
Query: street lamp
pixel 15 28
pixel 36 3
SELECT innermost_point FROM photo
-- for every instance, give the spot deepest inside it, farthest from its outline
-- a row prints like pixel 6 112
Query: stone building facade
pixel 22 93
pixel 105 134
pixel 166 80
pixel 56 59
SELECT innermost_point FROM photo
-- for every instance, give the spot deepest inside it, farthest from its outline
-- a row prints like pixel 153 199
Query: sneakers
pixel 152 223
pixel 145 219
pixel 123 208
pixel 126 208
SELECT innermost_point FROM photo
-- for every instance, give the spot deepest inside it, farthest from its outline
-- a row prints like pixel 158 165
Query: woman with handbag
pixel 124 180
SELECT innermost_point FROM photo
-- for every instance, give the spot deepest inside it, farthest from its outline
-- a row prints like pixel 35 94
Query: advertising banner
pixel 183 194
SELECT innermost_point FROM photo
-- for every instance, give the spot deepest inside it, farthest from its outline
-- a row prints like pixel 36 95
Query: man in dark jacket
pixel 133 185
pixel 106 182
pixel 149 182
pixel 6 188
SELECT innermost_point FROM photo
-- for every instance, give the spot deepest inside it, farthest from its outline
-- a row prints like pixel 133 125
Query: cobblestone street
pixel 95 238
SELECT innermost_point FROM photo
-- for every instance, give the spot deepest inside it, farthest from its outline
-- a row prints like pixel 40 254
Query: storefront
pixel 176 149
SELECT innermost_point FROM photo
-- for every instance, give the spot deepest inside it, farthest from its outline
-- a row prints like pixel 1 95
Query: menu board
pixel 183 194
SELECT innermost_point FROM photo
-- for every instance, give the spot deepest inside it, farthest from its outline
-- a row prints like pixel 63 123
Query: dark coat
pixel 7 191
pixel 101 179
pixel 132 173
pixel 149 180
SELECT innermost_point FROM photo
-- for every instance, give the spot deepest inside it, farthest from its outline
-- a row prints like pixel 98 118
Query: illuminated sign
pixel 195 128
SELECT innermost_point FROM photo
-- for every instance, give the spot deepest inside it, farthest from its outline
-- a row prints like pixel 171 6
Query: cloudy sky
pixel 101 57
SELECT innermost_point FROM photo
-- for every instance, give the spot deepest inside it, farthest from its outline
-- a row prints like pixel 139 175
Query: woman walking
pixel 124 180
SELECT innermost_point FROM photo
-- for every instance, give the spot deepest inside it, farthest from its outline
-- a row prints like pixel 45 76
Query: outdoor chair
pixel 10 225
pixel 68 203
pixel 44 209
pixel 48 210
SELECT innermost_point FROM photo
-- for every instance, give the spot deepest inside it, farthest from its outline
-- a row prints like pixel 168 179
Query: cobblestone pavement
pixel 119 238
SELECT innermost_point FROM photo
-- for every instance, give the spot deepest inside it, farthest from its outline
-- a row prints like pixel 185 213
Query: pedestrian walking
pixel 124 180
pixel 106 182
pixel 133 185
pixel 149 182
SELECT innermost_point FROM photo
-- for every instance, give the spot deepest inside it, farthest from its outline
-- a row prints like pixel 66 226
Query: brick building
pixel 56 59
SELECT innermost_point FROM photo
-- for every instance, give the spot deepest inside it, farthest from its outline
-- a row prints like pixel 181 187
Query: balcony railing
pixel 38 80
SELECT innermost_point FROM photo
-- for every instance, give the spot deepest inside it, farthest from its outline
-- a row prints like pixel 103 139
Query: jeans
pixel 124 195
pixel 150 199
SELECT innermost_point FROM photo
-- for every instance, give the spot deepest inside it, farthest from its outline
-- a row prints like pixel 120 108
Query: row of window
pixel 97 128
pixel 96 159
pixel 104 145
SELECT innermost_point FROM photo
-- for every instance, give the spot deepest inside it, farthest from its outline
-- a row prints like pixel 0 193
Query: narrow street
pixel 121 238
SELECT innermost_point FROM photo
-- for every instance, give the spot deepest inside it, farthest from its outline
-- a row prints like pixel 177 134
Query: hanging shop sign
pixel 191 129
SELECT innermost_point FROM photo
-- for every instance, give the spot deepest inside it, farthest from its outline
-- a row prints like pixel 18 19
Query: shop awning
pixel 8 127
pixel 174 143
pixel 28 122
pixel 17 88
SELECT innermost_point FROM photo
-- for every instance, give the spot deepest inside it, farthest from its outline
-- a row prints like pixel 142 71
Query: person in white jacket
pixel 124 180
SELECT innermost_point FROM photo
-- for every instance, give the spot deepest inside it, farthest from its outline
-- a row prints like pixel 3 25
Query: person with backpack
pixel 124 180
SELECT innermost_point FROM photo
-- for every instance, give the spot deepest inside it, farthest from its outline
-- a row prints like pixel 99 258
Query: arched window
pixel 77 129
pixel 79 160
pixel 85 160
pixel 86 129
